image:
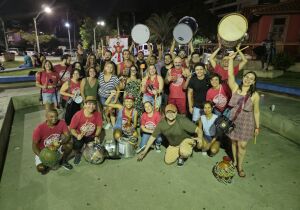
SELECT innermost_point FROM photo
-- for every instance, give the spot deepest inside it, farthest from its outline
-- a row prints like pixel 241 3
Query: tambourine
pixel 78 99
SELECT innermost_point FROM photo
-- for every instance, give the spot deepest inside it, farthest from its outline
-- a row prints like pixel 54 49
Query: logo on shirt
pixel 220 100
pixel 88 128
pixel 50 140
pixel 179 80
pixel 150 125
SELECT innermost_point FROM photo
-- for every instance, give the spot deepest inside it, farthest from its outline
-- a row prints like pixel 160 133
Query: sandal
pixel 241 173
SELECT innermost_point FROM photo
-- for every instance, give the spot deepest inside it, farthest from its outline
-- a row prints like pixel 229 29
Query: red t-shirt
pixel 89 125
pixel 176 87
pixel 47 78
pixel 150 122
pixel 74 89
pixel 219 97
pixel 155 85
pixel 224 73
pixel 60 71
pixel 45 136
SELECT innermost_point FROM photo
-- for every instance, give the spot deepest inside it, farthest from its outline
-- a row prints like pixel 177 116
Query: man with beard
pixel 86 126
pixel 164 70
pixel 106 58
pixel 141 63
pixel 52 133
pixel 177 130
pixel 176 79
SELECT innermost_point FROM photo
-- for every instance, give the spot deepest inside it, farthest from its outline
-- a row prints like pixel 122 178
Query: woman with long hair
pixel 92 62
pixel 89 85
pixel 78 65
pixel 48 80
pixel 245 113
pixel 108 81
pixel 133 86
pixel 152 87
pixel 70 90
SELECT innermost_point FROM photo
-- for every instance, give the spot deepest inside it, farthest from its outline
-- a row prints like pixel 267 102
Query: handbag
pixel 224 124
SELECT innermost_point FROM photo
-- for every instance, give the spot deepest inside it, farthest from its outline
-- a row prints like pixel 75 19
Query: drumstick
pixel 255 139
pixel 243 48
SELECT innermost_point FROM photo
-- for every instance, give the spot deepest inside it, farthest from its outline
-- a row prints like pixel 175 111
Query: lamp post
pixel 46 10
pixel 68 27
pixel 99 23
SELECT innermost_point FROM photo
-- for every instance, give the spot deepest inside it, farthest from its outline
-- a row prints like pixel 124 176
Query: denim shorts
pixel 51 98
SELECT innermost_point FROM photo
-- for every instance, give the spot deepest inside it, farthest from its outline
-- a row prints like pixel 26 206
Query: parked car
pixel 72 52
pixel 16 51
pixel 144 49
pixel 30 51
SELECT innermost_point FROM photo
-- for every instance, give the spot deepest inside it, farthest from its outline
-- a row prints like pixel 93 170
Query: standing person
pixel 27 61
pixel 106 59
pixel 141 63
pixel 176 78
pixel 52 133
pixel 206 123
pixel 164 70
pixel 245 113
pixel 269 52
pixel 64 68
pixel 222 70
pixel 177 130
pixel 85 126
pixel 123 68
pixel 108 81
pixel 149 120
pixel 89 85
pixel 48 80
pixel 152 87
pixel 197 88
pixel 92 62
pixel 81 55
pixel 126 118
pixel 181 54
pixel 77 65
pixel 70 90
pixel 133 87
pixel 219 94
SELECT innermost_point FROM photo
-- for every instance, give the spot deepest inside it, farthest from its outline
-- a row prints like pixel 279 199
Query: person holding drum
pixel 141 63
pixel 105 59
pixel 222 70
pixel 126 123
pixel 48 80
pixel 177 129
pixel 181 54
pixel 152 87
pixel 53 133
pixel 108 81
pixel 245 111
pixel 176 78
pixel 154 60
pixel 164 70
pixel 71 93
pixel 86 126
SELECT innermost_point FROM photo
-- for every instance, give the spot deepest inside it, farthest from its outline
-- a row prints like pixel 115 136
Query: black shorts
pixel 78 144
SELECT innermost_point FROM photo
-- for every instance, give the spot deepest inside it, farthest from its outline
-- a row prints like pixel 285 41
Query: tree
pixel 161 27
pixel 31 39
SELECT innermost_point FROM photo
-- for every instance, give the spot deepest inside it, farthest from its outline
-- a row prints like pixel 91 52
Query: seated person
pixel 52 133
pixel 149 121
pixel 85 126
pixel 206 123
pixel 126 123
pixel 27 61
pixel 177 129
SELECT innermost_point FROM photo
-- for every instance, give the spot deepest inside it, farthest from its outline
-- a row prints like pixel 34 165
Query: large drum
pixel 232 29
pixel 224 171
pixel 140 33
pixel 94 153
pixel 185 29
pixel 127 147
pixel 112 149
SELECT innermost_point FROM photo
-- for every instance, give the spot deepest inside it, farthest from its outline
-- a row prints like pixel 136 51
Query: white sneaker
pixel 204 153
pixel 107 126
pixel 157 148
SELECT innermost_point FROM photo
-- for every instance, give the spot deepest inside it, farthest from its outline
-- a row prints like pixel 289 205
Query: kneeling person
pixel 85 126
pixel 53 134
pixel 177 130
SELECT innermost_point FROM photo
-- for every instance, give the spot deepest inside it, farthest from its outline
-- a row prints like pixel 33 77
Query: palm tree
pixel 161 27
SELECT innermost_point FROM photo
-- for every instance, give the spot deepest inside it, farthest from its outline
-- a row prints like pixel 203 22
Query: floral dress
pixel 133 88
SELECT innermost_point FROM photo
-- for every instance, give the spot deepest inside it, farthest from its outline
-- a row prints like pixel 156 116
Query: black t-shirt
pixel 141 65
pixel 164 72
pixel 200 88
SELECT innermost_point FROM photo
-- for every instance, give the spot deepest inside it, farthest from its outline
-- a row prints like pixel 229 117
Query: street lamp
pixel 68 27
pixel 46 10
pixel 99 23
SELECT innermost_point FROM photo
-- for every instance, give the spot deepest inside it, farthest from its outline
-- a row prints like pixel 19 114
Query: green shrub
pixel 283 61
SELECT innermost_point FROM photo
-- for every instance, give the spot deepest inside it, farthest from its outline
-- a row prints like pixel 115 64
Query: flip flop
pixel 241 173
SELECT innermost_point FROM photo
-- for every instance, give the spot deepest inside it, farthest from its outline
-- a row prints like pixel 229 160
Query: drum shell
pixel 110 148
pixel 191 22
pixel 94 153
pixel 185 29
pixel 126 149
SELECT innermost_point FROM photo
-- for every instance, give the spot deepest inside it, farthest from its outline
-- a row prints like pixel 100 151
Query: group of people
pixel 172 98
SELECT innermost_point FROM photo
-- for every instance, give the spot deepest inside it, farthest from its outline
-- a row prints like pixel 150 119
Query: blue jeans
pixel 145 138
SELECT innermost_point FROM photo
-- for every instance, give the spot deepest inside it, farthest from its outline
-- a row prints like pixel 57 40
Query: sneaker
pixel 77 159
pixel 107 126
pixel 140 149
pixel 157 148
pixel 180 161
pixel 204 153
pixel 67 165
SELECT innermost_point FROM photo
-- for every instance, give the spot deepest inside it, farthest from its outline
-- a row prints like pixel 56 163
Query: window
pixel 278 28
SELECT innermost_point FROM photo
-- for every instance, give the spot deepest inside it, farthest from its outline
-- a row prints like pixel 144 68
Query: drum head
pixel 191 22
pixel 78 100
pixel 140 33
pixel 232 27
pixel 182 33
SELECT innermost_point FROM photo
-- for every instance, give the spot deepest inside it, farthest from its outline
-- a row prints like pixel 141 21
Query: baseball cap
pixel 129 96
pixel 170 107
pixel 91 99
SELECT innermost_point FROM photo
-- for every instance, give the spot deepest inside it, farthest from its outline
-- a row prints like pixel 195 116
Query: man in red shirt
pixel 52 133
pixel 86 126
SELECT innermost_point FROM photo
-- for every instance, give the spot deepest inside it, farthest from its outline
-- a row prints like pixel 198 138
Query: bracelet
pixel 257 128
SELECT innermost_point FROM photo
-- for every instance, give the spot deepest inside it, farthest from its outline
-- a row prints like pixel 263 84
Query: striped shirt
pixel 106 87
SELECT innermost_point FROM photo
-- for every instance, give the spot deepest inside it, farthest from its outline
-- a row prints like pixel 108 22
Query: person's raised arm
pixel 244 59
pixel 231 79
pixel 212 58
pixel 172 49
pixel 150 53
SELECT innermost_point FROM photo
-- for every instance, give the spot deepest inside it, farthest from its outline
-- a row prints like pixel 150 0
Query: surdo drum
pixel 232 29
pixel 140 33
pixel 185 29
pixel 94 153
